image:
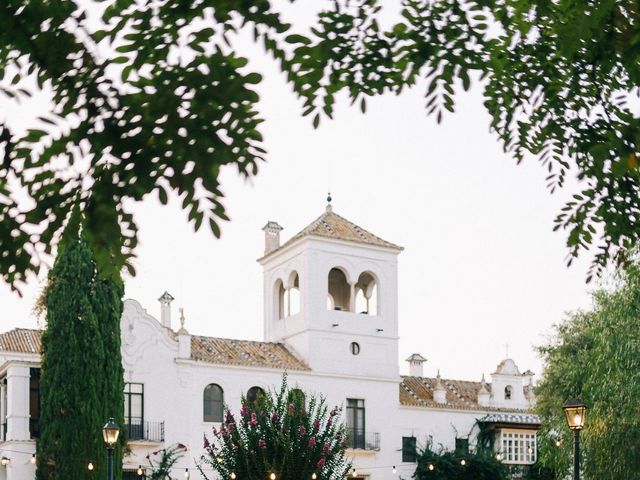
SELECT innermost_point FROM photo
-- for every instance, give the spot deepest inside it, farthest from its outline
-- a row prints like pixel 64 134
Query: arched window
pixel 507 392
pixel 294 295
pixel 213 400
pixel 280 299
pixel 288 298
pixel 253 394
pixel 339 290
pixel 296 396
pixel 366 294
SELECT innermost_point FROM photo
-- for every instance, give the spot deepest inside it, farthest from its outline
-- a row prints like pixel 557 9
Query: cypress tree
pixel 107 305
pixel 82 376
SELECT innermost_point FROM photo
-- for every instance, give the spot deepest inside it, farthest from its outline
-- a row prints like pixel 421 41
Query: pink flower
pixel 312 442
pixel 230 418
pixel 254 419
pixel 274 417
pixel 302 431
pixel 329 422
pixel 206 442
pixel 262 443
pixel 316 425
pixel 244 411
pixel 320 463
pixel 325 447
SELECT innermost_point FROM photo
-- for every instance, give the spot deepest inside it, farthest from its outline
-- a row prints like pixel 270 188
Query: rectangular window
pixel 34 402
pixel 355 423
pixel 518 448
pixel 409 454
pixel 462 445
pixel 134 410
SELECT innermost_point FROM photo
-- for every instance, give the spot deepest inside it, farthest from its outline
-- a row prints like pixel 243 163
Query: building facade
pixel 330 323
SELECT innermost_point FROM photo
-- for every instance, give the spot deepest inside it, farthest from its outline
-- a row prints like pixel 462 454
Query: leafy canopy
pixel 595 355
pixel 458 465
pixel 151 97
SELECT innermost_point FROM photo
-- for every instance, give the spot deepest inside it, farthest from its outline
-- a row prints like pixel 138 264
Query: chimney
pixel 184 339
pixel 484 395
pixel 439 392
pixel 415 364
pixel 271 236
pixel 165 309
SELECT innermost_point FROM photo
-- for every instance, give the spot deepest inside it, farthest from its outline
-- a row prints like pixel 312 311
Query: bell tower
pixel 331 294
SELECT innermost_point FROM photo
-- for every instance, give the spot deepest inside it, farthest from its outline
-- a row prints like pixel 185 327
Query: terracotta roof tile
pixel 21 340
pixel 245 353
pixel 461 394
pixel 332 225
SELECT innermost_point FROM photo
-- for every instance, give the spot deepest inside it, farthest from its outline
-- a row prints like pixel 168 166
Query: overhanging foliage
pixel 151 97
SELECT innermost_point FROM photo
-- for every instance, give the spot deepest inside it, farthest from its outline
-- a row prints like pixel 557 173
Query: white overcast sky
pixel 481 266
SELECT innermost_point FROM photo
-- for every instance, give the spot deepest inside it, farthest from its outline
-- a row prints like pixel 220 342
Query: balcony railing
pixel 149 431
pixel 358 438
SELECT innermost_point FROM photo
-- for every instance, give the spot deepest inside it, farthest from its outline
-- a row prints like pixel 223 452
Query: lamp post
pixel 576 412
pixel 110 434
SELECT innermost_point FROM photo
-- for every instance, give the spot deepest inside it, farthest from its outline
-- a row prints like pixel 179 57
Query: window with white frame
pixel 518 447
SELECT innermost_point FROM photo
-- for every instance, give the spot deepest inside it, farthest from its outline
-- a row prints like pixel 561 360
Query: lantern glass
pixel 110 432
pixel 576 413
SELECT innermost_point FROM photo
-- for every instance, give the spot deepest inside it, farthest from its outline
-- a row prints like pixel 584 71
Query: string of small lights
pixel 4 461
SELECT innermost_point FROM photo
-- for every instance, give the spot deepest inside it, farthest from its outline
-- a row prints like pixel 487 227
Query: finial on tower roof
pixel 329 207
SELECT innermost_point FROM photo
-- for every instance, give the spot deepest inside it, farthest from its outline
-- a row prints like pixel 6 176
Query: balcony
pixel 361 440
pixel 145 431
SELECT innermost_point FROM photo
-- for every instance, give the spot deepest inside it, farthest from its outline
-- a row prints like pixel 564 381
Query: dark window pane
pixel 134 410
pixel 409 449
pixel 355 423
pixel 253 394
pixel 296 396
pixel 462 445
pixel 213 403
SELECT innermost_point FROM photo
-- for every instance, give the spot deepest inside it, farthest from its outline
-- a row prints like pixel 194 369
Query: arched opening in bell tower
pixel 339 294
pixel 367 294
pixel 294 294
pixel 280 299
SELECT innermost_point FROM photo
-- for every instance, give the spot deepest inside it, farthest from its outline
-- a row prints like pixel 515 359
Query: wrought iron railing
pixel 358 438
pixel 150 431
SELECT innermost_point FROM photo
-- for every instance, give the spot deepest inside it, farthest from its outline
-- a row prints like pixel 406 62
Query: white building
pixel 331 322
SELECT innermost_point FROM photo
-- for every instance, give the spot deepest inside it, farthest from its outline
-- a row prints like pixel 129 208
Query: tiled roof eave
pixel 314 229
pixel 448 406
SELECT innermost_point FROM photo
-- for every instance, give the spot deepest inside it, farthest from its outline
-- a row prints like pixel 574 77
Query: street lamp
pixel 110 434
pixel 576 412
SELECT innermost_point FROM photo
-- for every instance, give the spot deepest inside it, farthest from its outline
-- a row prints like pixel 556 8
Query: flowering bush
pixel 280 436
pixel 162 461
